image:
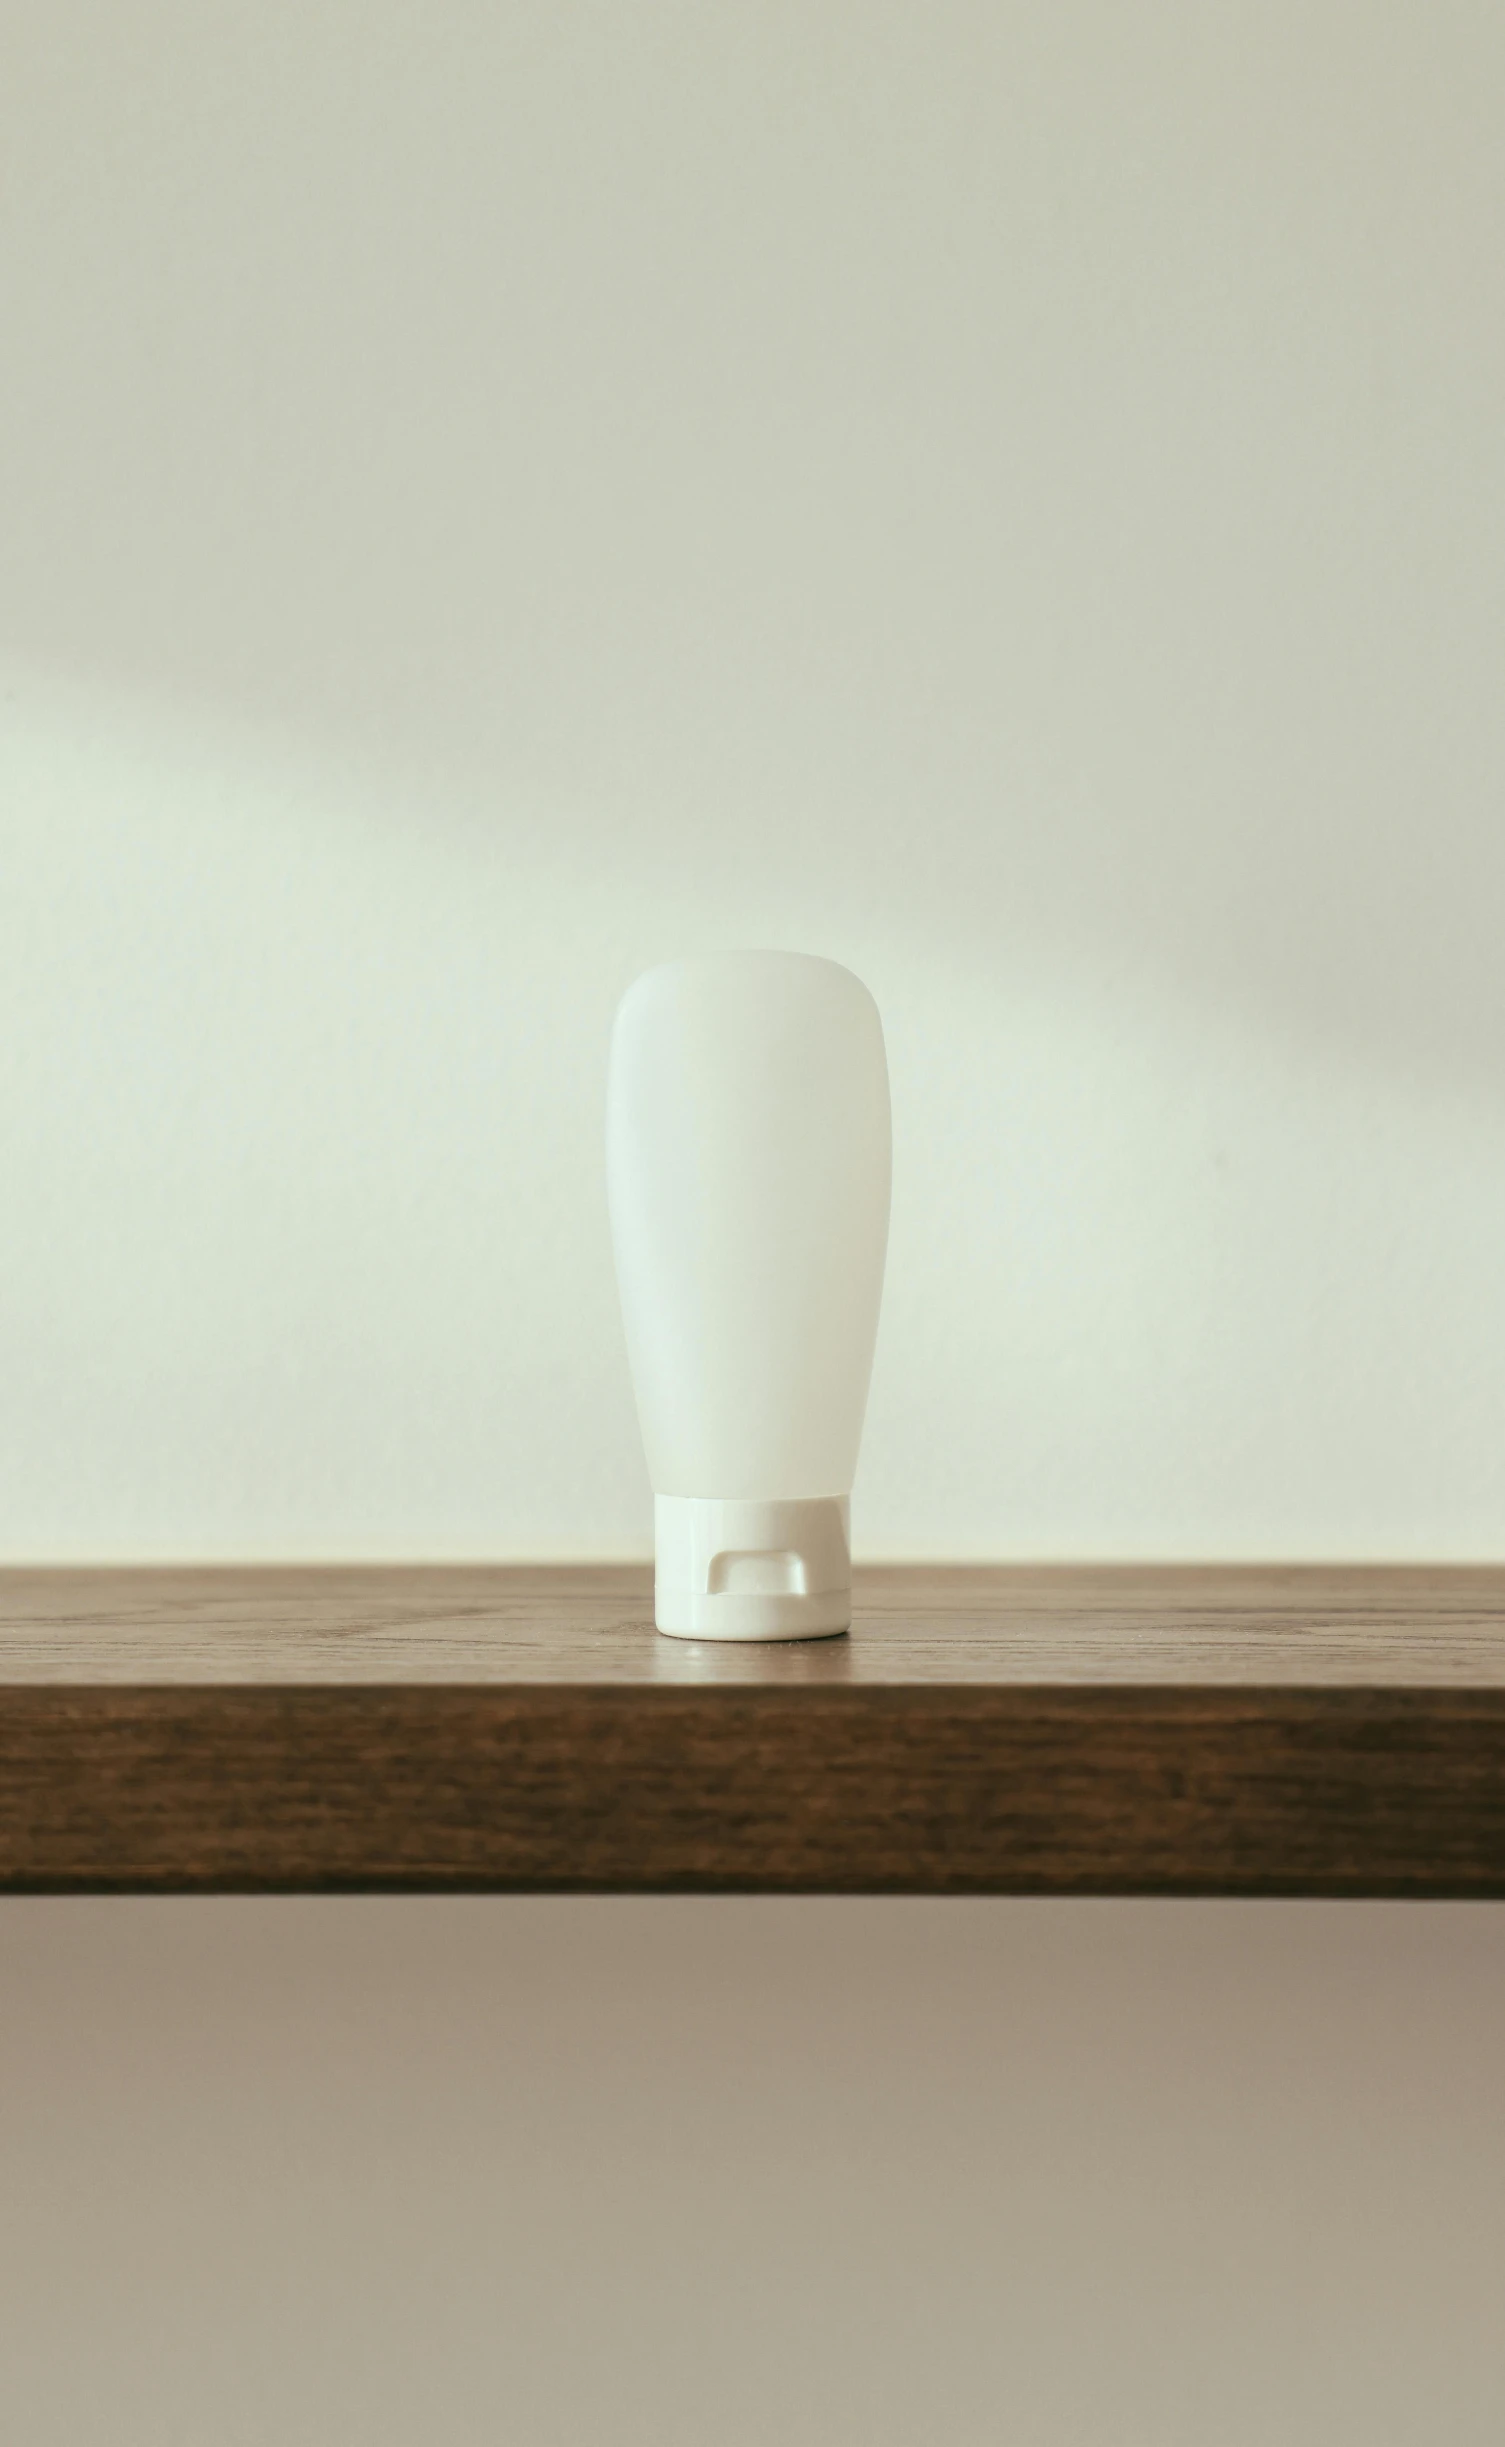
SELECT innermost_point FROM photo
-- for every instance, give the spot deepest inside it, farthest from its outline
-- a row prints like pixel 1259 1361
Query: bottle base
pixel 740 1570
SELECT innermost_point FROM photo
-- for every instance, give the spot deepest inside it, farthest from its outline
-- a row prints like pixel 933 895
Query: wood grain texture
pixel 1178 1730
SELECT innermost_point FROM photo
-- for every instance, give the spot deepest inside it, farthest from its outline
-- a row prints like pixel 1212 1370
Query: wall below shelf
pixel 983 1730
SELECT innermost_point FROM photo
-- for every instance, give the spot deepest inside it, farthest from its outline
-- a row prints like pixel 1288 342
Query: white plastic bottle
pixel 748 1174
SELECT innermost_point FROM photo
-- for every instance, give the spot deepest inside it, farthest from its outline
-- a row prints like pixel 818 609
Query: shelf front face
pixel 984 1730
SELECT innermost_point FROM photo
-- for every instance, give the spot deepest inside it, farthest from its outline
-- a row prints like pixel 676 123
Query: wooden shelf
pixel 1185 1730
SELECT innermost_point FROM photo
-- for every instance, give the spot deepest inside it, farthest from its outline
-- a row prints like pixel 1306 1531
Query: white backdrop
pixel 1011 496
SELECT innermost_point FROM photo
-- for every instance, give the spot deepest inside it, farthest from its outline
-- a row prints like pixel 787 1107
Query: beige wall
pixel 359 2174
pixel 1011 497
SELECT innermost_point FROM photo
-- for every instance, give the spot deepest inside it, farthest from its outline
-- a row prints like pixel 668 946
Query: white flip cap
pixel 752 1571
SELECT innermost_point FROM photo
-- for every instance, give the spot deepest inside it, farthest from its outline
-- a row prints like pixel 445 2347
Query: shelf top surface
pixel 915 1626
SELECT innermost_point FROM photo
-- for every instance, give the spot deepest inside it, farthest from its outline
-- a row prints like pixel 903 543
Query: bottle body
pixel 748 1163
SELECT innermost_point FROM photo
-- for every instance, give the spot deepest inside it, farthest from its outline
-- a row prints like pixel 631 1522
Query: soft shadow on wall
pixel 1012 499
